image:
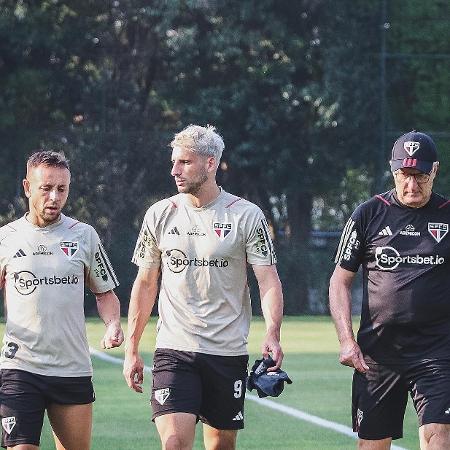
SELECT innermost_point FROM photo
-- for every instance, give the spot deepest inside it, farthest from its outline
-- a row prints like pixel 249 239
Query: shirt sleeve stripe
pixel 108 265
pixel 344 239
pixel 233 202
pixel 268 240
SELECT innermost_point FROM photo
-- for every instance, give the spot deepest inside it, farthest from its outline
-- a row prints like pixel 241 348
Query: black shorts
pixel 24 396
pixel 379 397
pixel 209 386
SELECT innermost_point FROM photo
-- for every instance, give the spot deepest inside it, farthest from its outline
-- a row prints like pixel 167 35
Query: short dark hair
pixel 48 158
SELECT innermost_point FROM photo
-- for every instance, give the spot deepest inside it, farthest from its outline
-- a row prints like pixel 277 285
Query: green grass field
pixel 321 387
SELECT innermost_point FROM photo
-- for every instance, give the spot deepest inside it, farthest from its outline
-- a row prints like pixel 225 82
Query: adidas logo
pixel 19 254
pixel 447 411
pixel 239 416
pixel 174 230
pixel 385 232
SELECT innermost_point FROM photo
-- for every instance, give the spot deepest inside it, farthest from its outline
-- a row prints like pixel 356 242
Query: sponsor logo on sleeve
pixel 222 229
pixel 19 254
pixel 261 244
pixel 352 244
pixel 438 230
pixel 388 258
pixel 140 250
pixel 69 248
pixel 100 270
pixel 144 241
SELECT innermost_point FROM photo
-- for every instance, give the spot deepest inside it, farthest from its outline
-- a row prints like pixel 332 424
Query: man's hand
pixel 351 355
pixel 113 336
pixel 133 371
pixel 272 345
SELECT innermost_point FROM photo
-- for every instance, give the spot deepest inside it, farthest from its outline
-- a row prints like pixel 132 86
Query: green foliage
pixel 293 87
pixel 419 85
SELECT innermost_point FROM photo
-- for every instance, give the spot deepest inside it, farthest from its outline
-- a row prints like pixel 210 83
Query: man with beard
pixel 46 259
pixel 200 242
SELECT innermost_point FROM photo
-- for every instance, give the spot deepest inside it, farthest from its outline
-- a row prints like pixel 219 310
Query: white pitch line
pixel 342 429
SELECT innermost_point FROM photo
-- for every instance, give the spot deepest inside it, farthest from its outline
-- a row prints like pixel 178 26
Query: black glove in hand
pixel 267 383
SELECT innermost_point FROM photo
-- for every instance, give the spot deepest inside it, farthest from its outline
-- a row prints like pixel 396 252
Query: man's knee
pixel 380 444
pixel 436 434
pixel 215 439
pixel 176 431
pixel 175 442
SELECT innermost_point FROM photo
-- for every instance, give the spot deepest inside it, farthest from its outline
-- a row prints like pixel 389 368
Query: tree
pixel 293 86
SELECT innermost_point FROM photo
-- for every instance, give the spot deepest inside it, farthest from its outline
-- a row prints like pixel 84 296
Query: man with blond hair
pixel 197 244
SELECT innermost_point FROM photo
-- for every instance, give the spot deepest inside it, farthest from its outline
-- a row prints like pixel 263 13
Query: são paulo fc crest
pixel 222 229
pixel 69 248
pixel 411 147
pixel 8 423
pixel 161 395
pixel 438 230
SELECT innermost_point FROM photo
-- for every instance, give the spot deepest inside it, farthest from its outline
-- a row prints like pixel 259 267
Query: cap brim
pixel 422 166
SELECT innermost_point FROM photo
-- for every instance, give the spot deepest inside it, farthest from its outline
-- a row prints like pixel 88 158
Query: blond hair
pixel 204 141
